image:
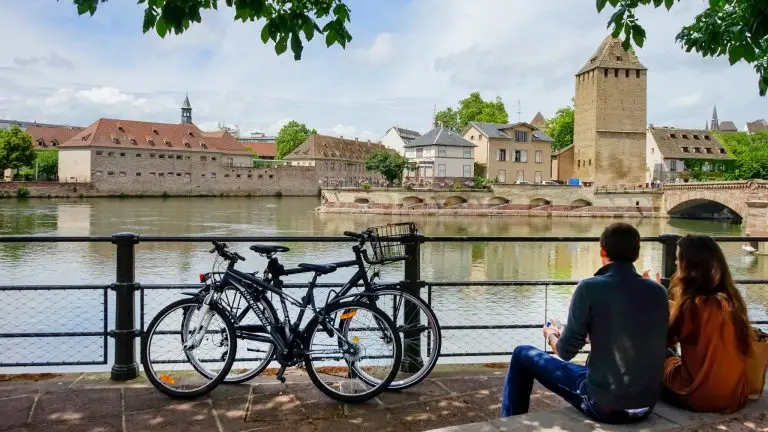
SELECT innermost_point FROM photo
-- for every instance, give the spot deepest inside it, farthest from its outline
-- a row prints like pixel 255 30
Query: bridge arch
pixel 364 201
pixel 540 202
pixel 581 202
pixel 701 208
pixel 412 200
pixel 454 201
pixel 497 200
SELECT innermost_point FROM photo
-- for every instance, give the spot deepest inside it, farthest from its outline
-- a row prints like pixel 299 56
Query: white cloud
pixel 686 101
pixel 381 51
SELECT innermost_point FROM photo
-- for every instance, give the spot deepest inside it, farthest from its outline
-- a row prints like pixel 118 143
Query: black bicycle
pixel 416 322
pixel 350 349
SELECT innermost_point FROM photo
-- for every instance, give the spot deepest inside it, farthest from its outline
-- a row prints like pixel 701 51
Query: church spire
pixel 186 110
pixel 715 122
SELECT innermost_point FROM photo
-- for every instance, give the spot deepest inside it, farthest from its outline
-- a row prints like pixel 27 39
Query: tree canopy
pixel 750 154
pixel 47 163
pixel 736 28
pixel 389 164
pixel 16 149
pixel 560 128
pixel 473 108
pixel 285 22
pixel 292 135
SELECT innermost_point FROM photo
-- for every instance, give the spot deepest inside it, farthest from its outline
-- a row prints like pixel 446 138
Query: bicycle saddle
pixel 319 268
pixel 265 248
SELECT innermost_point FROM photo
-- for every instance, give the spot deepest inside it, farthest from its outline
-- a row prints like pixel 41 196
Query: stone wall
pixel 47 189
pixel 733 194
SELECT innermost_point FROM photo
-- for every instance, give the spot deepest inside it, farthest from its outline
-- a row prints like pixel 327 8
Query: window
pixel 161 174
pixel 138 154
pixel 111 154
pixel 167 143
pixel 685 136
pixel 213 175
pixel 707 137
pixel 162 156
pixel 187 157
pixel 132 141
pixel 653 150
pixel 578 163
pixel 203 158
pixel 502 176
pixel 138 174
pixel 626 73
pixel 99 173
pixel 521 136
pixel 333 166
pixel 537 177
pixel 472 137
pixel 618 58
pixel 706 167
pixel 111 173
pixel 538 156
pixel 521 175
pixel 708 150
pixel 521 156
pixel 99 153
pixel 673 165
pixel 122 154
pixel 271 176
pixel 442 151
pixel 115 140
pixel 685 149
pixel 153 174
pixel 213 158
pixel 150 141
pixel 501 155
pixel 178 174
pixel 722 151
pixel 697 149
pixel 695 137
pixel 673 136
pixel 238 175
pixel 637 73
pixel 467 153
pixel 187 145
pixel 467 171
pixel 204 145
pixel 605 72
pixel 250 175
pixel 226 175
pixel 590 162
pixel 420 152
pixel 179 157
pixel 616 73
pixel 202 175
pixel 441 170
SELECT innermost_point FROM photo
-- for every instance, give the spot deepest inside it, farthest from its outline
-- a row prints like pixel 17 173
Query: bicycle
pixel 358 347
pixel 416 322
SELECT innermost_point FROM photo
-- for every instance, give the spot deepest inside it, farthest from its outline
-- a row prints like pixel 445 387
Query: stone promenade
pixel 451 396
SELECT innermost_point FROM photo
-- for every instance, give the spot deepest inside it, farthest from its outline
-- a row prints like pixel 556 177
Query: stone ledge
pixel 664 418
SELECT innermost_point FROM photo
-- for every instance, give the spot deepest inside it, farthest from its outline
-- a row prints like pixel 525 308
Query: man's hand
pixel 550 330
pixel 646 275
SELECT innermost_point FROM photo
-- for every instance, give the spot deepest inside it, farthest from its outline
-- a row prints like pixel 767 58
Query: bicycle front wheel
pixel 370 347
pixel 169 349
pixel 419 331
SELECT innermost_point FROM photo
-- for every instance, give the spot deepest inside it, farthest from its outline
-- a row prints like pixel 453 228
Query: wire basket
pixel 388 241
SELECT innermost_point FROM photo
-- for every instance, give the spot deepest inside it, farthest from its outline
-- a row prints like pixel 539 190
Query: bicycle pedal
pixel 280 373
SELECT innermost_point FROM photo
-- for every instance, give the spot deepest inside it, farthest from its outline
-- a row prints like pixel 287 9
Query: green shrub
pixel 278 194
pixel 367 186
pixel 22 192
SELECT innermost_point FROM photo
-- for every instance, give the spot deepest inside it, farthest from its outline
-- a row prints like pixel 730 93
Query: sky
pixel 407 57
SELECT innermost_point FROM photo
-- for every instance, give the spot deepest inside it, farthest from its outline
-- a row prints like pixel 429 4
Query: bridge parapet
pixel 738 184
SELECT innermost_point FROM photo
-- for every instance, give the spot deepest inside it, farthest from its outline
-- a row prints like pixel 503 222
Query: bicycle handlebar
pixel 223 250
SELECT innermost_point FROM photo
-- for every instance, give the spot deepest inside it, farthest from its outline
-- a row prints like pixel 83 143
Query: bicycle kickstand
pixel 280 373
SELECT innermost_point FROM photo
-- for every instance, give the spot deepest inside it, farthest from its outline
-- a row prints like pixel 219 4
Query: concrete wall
pixel 75 165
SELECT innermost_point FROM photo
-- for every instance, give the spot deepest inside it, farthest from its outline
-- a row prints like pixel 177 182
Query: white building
pixel 442 155
pixel 396 138
pixel 668 150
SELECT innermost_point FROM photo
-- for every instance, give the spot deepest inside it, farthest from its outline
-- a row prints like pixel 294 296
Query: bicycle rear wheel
pixel 169 365
pixel 419 331
pixel 335 362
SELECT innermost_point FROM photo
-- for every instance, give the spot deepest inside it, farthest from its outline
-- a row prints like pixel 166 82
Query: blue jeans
pixel 567 380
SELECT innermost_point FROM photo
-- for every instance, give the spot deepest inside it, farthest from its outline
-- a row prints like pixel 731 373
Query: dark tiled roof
pixel 162 136
pixel 333 148
pixel 673 141
pixel 495 130
pixel 407 134
pixel 47 137
pixel 539 121
pixel 728 126
pixel 440 136
pixel 757 126
pixel 612 55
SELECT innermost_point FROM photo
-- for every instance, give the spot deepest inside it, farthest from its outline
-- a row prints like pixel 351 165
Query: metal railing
pixel 94 300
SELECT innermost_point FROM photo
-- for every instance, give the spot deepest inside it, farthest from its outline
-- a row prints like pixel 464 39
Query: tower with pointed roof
pixel 715 125
pixel 186 110
pixel 610 117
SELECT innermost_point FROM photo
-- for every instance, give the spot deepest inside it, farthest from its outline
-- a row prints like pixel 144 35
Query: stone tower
pixel 186 110
pixel 610 118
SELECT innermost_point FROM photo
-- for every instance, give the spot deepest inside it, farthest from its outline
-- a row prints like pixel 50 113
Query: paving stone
pixel 441 413
pixel 273 403
pixel 17 389
pixel 466 385
pixel 14 412
pixel 652 423
pixel 189 417
pixel 77 405
pixel 231 413
pixel 554 421
pixel 226 391
pixel 147 398
pixel 357 424
pixel 427 389
pixel 106 424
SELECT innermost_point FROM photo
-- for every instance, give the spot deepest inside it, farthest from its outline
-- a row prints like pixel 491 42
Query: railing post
pixel 412 360
pixel 668 256
pixel 125 366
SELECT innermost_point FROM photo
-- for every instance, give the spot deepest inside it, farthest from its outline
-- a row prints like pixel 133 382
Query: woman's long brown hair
pixel 703 272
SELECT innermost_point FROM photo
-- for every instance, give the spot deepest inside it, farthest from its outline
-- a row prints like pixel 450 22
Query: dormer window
pixel 150 141
pixel 204 145
pixel 86 136
pixel 154 131
pixel 190 133
pixel 54 142
pixel 167 142
pixel 708 150
pixel 685 149
pixel 697 149
pixel 695 137
pixel 707 137
pixel 673 136
pixel 115 140
pixel 722 151
pixel 120 127
pixel 132 141
pixel 187 145
pixel 618 58
pixel 685 136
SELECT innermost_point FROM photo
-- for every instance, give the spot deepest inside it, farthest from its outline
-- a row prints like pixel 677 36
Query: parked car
pixel 522 182
pixel 550 183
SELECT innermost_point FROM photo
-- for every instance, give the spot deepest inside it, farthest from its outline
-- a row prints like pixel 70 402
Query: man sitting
pixel 625 318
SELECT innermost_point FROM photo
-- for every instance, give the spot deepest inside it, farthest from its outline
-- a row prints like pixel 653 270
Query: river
pixel 173 263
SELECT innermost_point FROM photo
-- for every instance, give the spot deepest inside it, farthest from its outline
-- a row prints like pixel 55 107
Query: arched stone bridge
pixel 691 198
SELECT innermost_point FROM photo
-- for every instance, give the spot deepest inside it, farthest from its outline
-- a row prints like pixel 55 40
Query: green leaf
pixel 601 5
pixel 669 3
pixel 763 85
pixel 734 54
pixel 281 45
pixel 330 38
pixel 618 27
pixel 161 27
pixel 296 46
pixel 638 35
pixel 309 29
pixel 265 33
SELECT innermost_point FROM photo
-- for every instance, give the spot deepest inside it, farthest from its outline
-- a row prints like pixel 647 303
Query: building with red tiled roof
pixel 338 161
pixel 44 137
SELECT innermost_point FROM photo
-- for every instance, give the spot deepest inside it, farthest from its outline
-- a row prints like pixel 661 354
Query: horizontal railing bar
pixel 336 239
pixel 54 287
pixel 26 364
pixel 53 334
pixel 492 327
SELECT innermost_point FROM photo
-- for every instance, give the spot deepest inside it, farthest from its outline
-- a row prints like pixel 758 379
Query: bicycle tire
pixel 252 373
pixel 433 324
pixel 377 387
pixel 149 333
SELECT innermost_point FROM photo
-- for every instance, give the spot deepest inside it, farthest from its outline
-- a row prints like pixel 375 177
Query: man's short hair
pixel 621 242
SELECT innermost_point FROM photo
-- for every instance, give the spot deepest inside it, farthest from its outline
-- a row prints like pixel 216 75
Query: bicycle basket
pixel 387 242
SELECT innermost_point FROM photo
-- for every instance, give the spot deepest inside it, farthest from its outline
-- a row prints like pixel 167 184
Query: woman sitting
pixel 709 320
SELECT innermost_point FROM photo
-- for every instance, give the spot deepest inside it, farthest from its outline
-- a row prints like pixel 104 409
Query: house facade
pixel 511 153
pixel 562 164
pixel 397 138
pixel 442 157
pixel 670 150
pixel 338 162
